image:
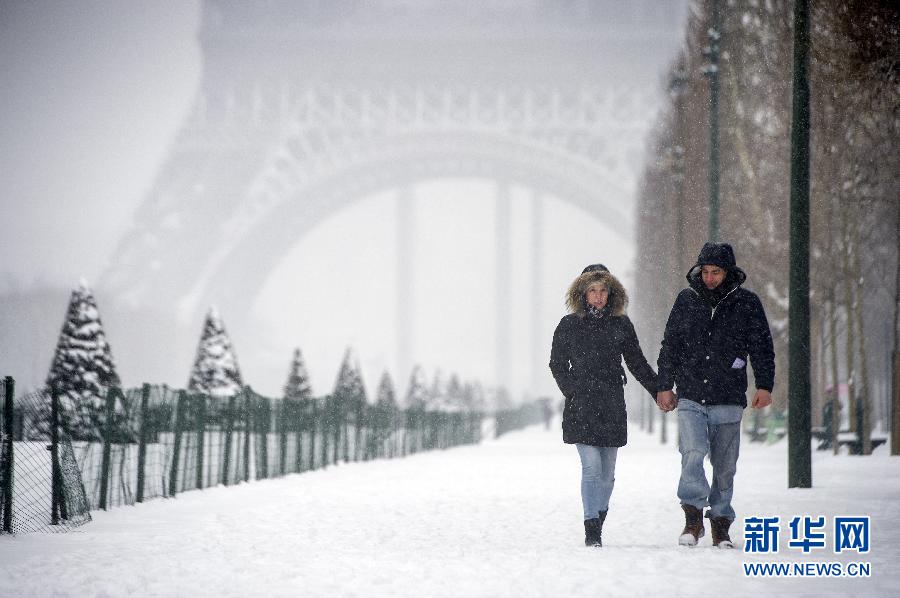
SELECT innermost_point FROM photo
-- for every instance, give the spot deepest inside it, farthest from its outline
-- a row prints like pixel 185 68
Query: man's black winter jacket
pixel 705 349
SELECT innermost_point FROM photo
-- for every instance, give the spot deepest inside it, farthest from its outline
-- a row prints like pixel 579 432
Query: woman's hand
pixel 666 400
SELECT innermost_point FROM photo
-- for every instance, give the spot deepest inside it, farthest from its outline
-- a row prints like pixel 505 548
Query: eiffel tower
pixel 306 106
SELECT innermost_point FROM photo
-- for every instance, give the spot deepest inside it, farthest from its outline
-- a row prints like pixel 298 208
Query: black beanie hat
pixel 717 254
pixel 595 268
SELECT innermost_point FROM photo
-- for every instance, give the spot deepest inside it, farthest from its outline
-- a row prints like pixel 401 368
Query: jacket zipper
pixel 713 314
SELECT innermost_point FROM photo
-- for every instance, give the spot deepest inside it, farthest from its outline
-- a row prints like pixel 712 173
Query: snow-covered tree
pixel 386 395
pixel 385 417
pixel 473 396
pixel 82 371
pixel 454 398
pixel 349 388
pixel 436 394
pixel 854 170
pixel 297 386
pixel 349 397
pixel 417 392
pixel 502 399
pixel 215 372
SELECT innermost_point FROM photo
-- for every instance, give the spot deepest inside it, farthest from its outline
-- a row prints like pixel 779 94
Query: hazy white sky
pixel 92 95
pixel 337 287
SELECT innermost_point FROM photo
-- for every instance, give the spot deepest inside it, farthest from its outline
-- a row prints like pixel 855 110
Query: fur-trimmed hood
pixel 575 297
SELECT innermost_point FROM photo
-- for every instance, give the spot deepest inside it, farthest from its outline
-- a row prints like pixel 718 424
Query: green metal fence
pixel 156 441
pixel 40 480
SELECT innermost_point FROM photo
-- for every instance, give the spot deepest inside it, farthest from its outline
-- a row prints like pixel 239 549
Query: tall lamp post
pixel 677 83
pixel 799 452
pixel 711 70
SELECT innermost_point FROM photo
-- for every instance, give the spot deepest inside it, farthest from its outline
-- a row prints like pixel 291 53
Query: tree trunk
pixel 848 305
pixel 865 434
pixel 895 386
pixel 832 311
pixel 835 375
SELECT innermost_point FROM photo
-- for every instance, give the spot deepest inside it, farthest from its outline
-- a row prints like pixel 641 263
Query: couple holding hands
pixel 714 327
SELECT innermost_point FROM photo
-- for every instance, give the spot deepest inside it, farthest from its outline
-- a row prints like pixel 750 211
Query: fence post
pixel 55 492
pixel 107 447
pixel 420 431
pixel 282 428
pixel 408 421
pixel 263 418
pixel 142 443
pixel 18 425
pixel 393 433
pixel 370 436
pixel 229 429
pixel 340 420
pixel 404 427
pixel 450 430
pixel 176 445
pixel 313 425
pixel 7 452
pixel 297 412
pixel 248 419
pixel 201 436
pixel 357 429
pixel 437 427
pixel 324 418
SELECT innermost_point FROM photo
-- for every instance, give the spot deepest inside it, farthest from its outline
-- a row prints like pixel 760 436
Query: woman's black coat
pixel 586 361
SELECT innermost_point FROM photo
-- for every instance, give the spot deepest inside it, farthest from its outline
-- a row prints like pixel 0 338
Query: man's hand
pixel 762 399
pixel 666 400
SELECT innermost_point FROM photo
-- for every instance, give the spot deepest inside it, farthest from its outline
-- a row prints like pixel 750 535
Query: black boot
pixel 593 530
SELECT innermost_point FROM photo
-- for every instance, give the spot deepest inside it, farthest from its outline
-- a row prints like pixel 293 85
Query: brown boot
pixel 719 526
pixel 693 526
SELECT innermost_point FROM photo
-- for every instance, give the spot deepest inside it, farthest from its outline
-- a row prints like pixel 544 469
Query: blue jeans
pixel 716 430
pixel 598 476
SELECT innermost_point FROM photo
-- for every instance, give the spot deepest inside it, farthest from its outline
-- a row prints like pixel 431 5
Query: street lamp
pixel 711 70
pixel 799 454
pixel 677 84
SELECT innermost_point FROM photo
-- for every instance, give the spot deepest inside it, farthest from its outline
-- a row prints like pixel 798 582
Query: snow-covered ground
pixel 499 519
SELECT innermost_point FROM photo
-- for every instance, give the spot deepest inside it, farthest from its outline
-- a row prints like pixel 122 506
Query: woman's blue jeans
pixel 598 476
pixel 714 429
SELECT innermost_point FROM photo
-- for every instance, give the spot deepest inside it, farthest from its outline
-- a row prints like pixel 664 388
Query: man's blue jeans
pixel 598 476
pixel 714 429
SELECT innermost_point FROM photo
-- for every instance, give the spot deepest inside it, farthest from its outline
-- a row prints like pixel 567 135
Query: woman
pixel 586 361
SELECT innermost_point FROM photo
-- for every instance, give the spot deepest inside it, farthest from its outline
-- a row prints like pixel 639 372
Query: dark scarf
pixel 595 314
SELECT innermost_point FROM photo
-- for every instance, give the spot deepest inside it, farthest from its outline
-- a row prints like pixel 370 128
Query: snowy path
pixel 499 519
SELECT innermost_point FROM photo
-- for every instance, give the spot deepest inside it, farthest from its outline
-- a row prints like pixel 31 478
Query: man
pixel 714 326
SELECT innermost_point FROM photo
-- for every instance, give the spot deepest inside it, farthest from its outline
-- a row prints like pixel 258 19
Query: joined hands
pixel 666 400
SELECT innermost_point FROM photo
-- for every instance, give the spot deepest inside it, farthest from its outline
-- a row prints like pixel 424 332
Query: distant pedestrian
pixel 547 412
pixel 586 361
pixel 714 326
